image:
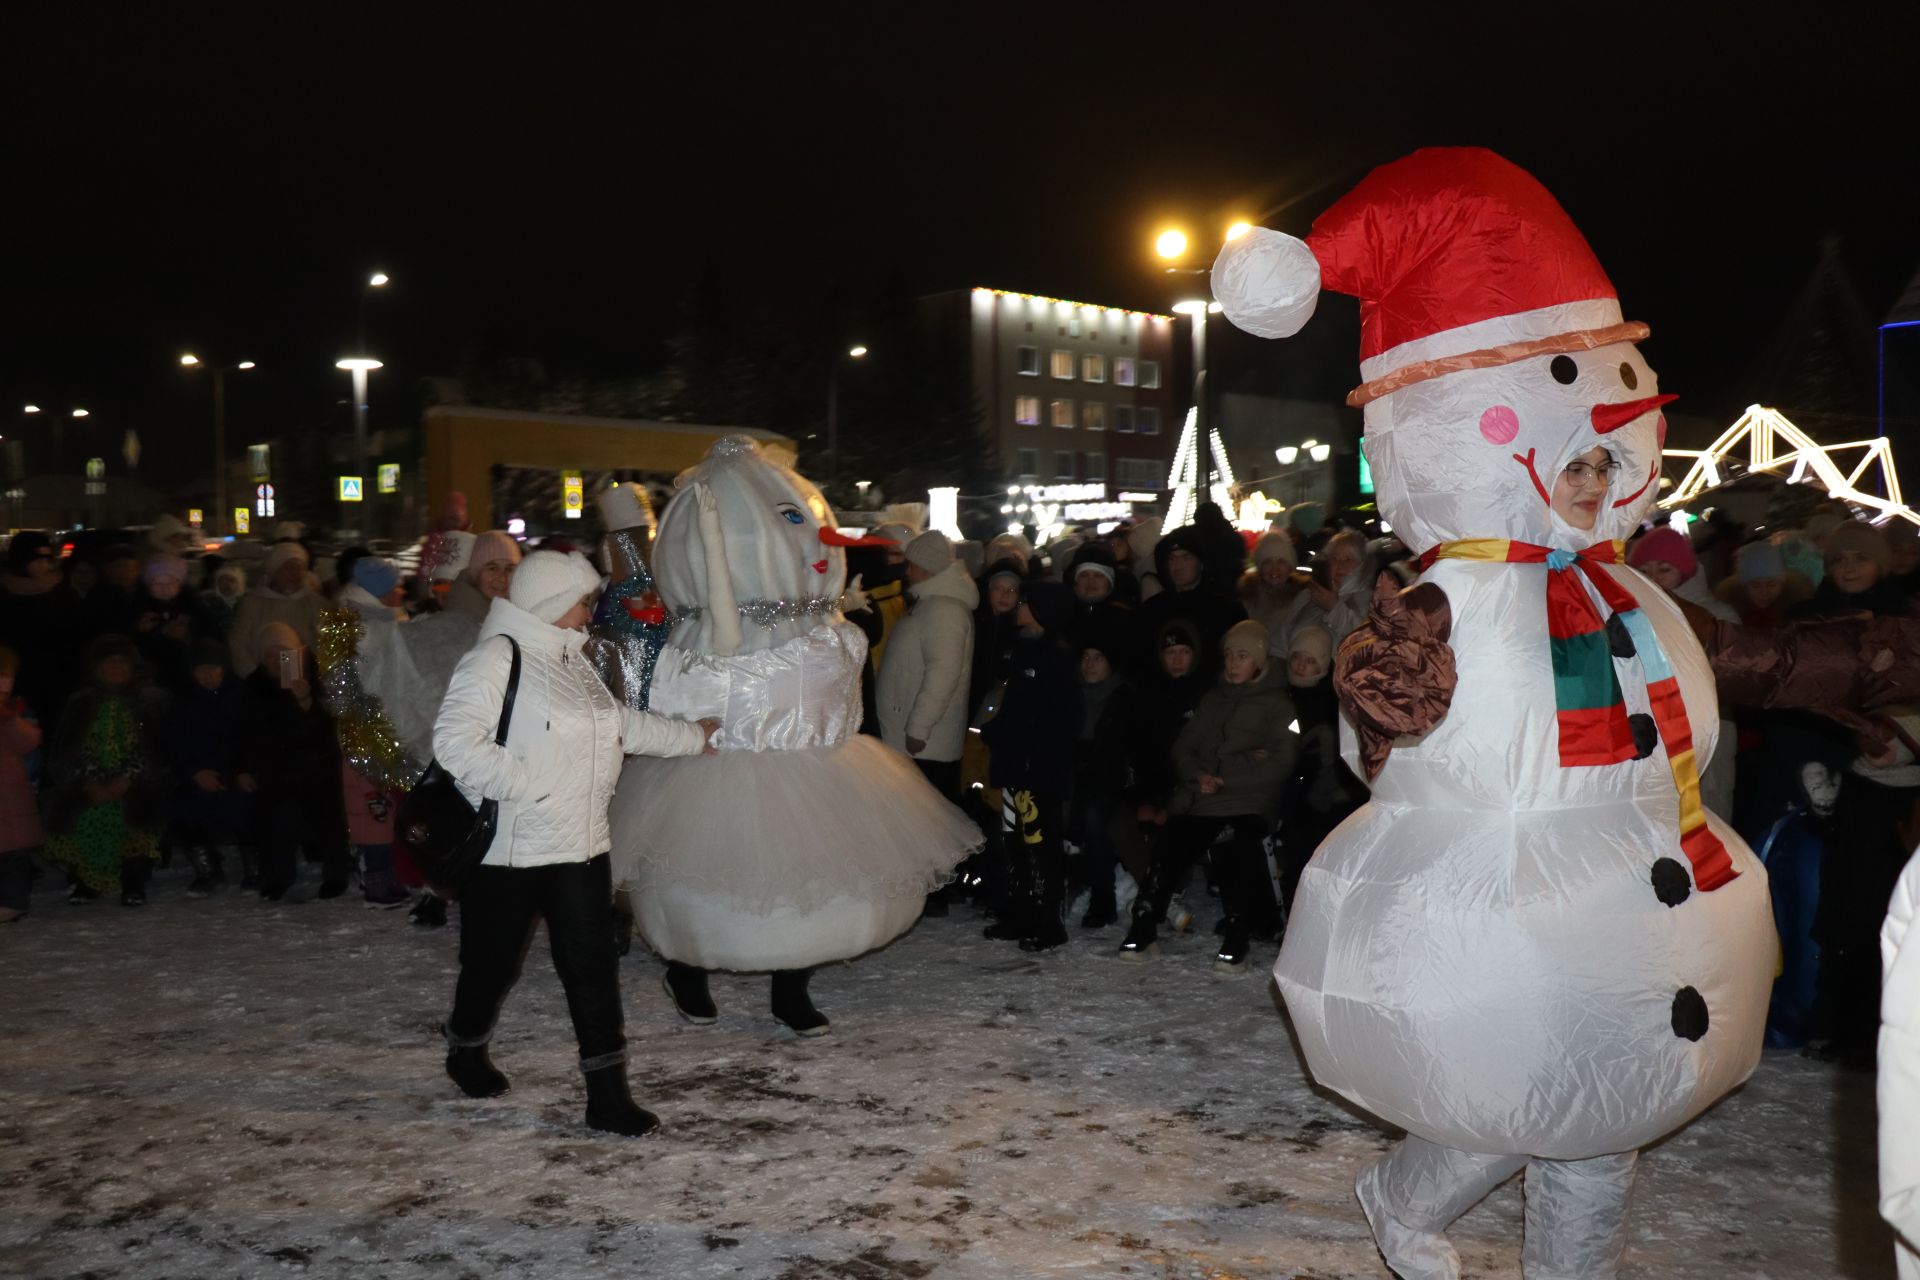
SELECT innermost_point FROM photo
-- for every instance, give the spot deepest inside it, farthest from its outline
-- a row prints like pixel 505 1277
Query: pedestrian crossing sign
pixel 350 488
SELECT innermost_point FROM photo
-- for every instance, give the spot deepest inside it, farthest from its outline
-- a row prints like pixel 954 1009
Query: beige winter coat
pixel 922 691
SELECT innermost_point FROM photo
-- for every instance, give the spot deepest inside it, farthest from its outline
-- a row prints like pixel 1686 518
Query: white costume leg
pixel 1414 1191
pixel 1577 1217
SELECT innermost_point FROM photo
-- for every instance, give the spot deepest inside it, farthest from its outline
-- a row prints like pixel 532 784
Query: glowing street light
pixel 378 280
pixel 221 511
pixel 1191 307
pixel 1286 454
pixel 79 413
pixel 358 364
pixel 1171 244
pixel 856 351
pixel 29 408
pixel 1321 452
pixel 1238 229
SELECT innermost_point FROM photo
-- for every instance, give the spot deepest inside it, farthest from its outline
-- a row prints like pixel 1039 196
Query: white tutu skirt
pixel 757 860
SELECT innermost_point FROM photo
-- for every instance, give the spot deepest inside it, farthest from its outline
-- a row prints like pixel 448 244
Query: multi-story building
pixel 1071 393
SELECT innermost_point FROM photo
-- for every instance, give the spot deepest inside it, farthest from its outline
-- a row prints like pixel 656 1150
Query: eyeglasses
pixel 1581 473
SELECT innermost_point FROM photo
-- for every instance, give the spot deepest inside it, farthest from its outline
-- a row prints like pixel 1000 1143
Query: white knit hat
pixel 548 583
pixel 625 506
pixel 279 554
pixel 930 551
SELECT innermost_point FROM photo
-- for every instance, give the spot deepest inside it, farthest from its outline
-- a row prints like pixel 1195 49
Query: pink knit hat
pixel 1667 544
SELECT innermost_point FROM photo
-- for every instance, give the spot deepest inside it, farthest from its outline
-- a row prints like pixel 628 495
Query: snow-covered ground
pixel 227 1089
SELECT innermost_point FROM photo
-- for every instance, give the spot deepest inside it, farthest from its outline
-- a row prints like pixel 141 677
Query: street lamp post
pixel 359 367
pixel 1171 245
pixel 222 514
pixel 833 412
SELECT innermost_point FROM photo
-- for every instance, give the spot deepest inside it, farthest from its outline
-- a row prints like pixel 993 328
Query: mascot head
pixel 1492 348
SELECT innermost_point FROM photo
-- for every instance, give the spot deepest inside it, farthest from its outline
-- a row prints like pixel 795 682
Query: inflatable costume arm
pixel 1395 673
pixel 1838 667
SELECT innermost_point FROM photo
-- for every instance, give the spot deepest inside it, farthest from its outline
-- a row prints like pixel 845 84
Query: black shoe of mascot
pixel 793 1006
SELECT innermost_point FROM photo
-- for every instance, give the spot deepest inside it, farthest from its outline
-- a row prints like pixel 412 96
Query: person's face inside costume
pixel 493 578
pixel 1822 785
pixel 1176 660
pixel 1003 594
pixel 1763 593
pixel 1094 666
pixel 1853 571
pixel 1184 568
pixel 1240 665
pixel 1274 571
pixel 1091 586
pixel 1581 488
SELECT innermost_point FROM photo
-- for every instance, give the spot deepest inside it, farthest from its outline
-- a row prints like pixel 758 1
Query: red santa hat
pixel 1460 259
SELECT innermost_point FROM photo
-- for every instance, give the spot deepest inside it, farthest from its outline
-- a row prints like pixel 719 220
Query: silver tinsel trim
pixel 767 613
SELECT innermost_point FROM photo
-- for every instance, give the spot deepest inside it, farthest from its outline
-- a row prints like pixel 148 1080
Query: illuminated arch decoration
pixel 1775 445
pixel 1184 478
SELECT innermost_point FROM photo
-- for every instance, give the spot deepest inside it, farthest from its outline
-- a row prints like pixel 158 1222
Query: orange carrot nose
pixel 1612 417
pixel 835 538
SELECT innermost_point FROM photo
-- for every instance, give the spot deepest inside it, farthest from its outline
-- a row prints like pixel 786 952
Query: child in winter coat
pixel 1275 596
pixel 163 620
pixel 1321 791
pixel 106 806
pixel 1108 723
pixel 209 809
pixel 1231 761
pixel 19 814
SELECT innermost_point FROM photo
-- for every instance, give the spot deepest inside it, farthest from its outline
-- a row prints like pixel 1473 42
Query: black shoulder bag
pixel 445 836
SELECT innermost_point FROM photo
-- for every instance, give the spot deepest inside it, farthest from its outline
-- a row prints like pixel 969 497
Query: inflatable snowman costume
pixel 1534 948
pixel 801 841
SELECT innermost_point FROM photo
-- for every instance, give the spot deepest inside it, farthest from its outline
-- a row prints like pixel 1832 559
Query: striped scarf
pixel 1594 728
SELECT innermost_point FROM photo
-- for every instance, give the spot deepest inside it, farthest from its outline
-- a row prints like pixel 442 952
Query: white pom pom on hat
pixel 1267 282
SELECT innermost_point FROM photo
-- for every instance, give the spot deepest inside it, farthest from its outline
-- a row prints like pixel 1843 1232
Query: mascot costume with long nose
pixel 1533 949
pixel 800 841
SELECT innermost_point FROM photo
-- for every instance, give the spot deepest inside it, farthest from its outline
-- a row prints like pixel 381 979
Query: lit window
pixel 1093 416
pixel 1149 373
pixel 1026 410
pixel 1096 468
pixel 1073 324
pixel 1063 365
pixel 1063 464
pixel 1029 464
pixel 1093 368
pixel 1148 419
pixel 1123 370
pixel 1030 362
pixel 1123 418
pixel 1062 413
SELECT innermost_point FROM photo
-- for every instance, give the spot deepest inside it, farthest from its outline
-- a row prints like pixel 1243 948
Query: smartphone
pixel 289 668
pixel 1322 573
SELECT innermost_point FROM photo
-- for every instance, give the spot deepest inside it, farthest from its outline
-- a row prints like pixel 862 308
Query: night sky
pixel 551 182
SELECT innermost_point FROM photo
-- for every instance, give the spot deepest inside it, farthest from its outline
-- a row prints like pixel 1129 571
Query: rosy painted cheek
pixel 1499 424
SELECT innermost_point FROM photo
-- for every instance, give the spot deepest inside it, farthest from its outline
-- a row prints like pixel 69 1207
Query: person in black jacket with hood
pixel 1210 606
pixel 1095 611
pixel 1031 741
pixel 1102 762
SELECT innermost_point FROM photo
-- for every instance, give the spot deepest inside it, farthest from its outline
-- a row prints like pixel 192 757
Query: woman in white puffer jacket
pixel 553 778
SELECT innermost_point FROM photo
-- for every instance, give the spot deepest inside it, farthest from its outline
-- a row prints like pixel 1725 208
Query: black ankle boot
pixel 1101 911
pixel 793 1006
pixel 1142 938
pixel 1046 934
pixel 471 1069
pixel 610 1104
pixel 687 988
pixel 1235 942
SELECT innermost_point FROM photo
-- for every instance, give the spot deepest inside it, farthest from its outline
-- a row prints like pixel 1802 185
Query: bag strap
pixel 506 703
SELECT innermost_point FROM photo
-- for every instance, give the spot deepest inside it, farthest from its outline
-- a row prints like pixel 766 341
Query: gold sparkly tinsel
pixel 367 739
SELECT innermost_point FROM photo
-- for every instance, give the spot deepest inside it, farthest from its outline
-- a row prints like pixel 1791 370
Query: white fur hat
pixel 548 583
